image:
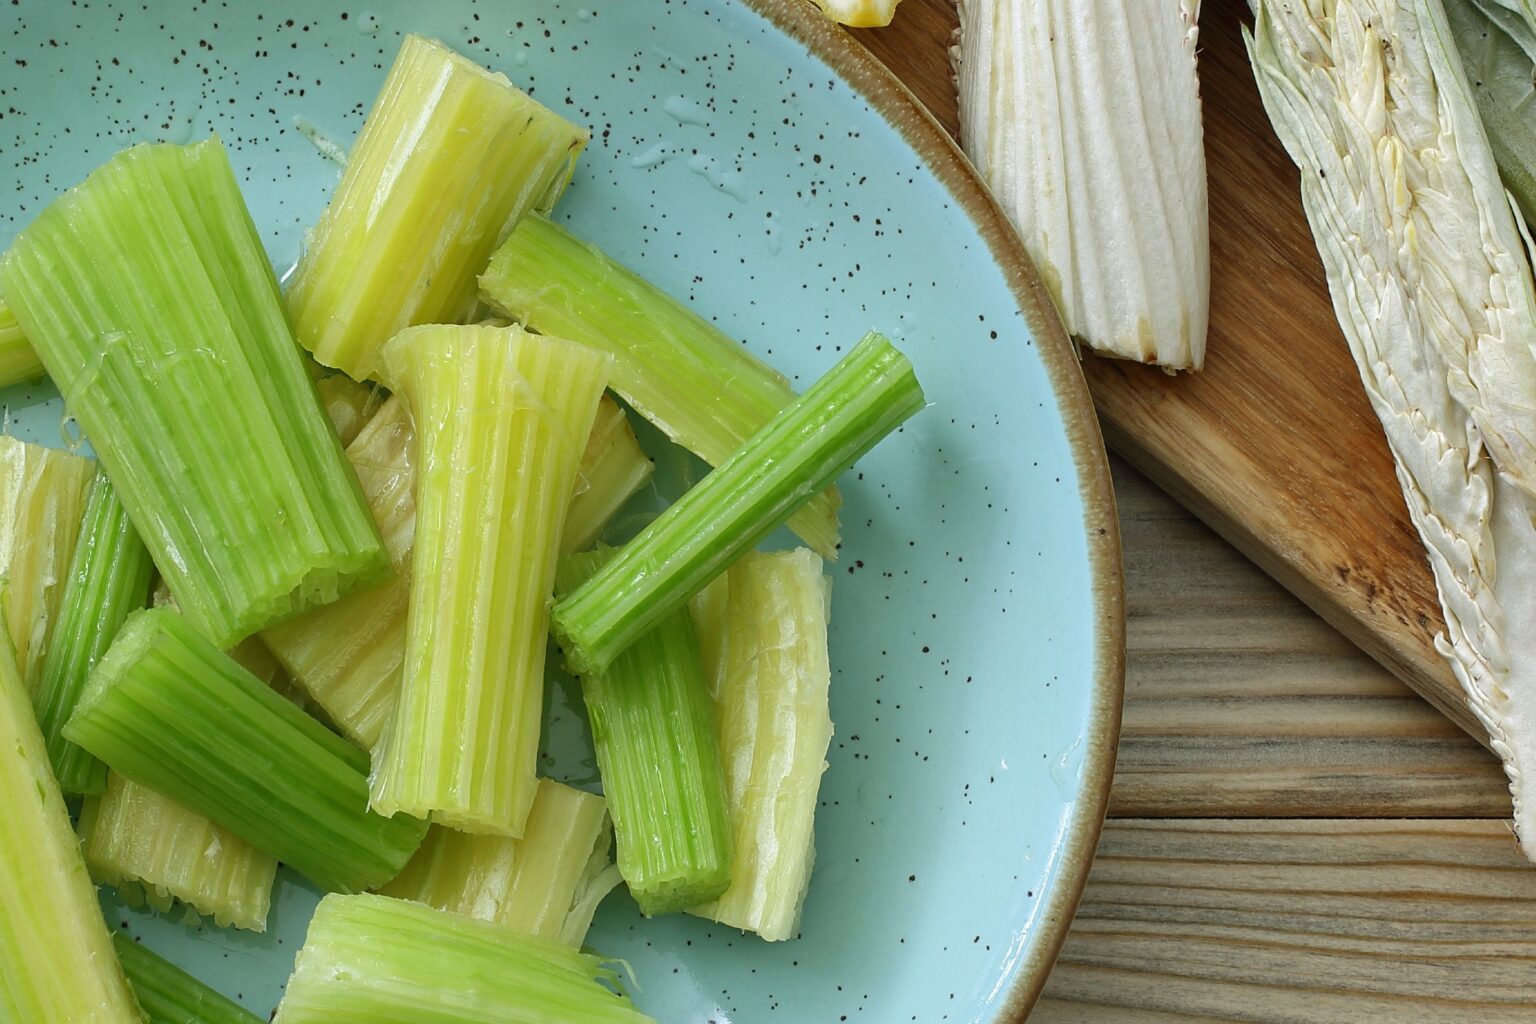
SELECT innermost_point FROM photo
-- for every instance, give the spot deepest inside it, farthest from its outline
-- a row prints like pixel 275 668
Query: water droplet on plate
pixel 1067 770
pixel 656 153
pixel 685 111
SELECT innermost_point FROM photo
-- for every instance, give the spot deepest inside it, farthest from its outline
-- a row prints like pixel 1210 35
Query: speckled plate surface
pixel 748 157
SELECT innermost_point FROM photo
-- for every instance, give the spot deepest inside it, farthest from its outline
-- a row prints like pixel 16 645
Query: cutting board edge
pixel 1429 675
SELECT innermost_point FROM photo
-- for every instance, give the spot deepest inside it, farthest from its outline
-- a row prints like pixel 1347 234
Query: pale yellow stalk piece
pixel 42 500
pixel 502 418
pixel 155 851
pixel 762 631
pixel 859 13
pixel 450 157
pixel 613 468
pixel 57 965
pixel 347 656
pixel 548 883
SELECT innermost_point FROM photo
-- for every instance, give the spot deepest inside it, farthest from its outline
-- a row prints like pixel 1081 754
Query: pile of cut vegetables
pixel 298 608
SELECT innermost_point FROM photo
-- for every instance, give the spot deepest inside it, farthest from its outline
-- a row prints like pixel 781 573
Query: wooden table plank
pixel 1302 920
pixel 1240 701
pixel 1274 443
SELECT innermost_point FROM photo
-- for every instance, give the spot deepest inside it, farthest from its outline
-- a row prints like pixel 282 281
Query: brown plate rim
pixel 867 76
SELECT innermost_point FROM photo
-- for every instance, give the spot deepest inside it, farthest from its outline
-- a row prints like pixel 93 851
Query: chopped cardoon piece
pixel 675 368
pixel 764 625
pixel 169 995
pixel 18 361
pixel 108 579
pixel 547 884
pixel 501 420
pixel 42 500
pixel 148 296
pixel 168 710
pixel 158 853
pixel 868 394
pixel 56 960
pixel 375 960
pixel 653 726
pixel 450 158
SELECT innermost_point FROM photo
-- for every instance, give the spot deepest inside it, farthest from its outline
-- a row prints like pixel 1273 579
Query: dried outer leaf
pixel 1433 292
pixel 1084 118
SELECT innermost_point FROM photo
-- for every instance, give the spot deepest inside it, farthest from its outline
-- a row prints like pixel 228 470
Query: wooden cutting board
pixel 1273 444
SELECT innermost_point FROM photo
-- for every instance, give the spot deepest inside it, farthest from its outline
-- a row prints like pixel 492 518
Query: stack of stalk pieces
pixel 345 670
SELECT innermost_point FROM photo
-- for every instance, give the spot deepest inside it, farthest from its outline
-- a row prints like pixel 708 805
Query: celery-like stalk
pixel 546 884
pixel 148 295
pixel 169 995
pixel 170 711
pixel 653 727
pixel 18 361
pixel 765 624
pixel 869 393
pixel 704 390
pixel 56 959
pixel 348 656
pixel 157 853
pixel 502 418
pixel 375 960
pixel 450 157
pixel 613 468
pixel 348 404
pixel 42 500
pixel 108 578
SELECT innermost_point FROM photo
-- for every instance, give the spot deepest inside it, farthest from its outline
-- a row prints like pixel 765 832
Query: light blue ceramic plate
pixel 752 159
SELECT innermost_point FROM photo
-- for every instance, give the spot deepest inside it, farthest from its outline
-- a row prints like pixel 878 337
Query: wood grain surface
pixel 1274 443
pixel 1302 921
pixel 1242 702
pixel 1218 894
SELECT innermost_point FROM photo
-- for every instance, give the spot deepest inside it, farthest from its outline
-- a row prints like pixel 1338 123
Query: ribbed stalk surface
pixel 157 853
pixel 42 501
pixel 653 727
pixel 18 361
pixel 56 959
pixel 501 418
pixel 613 468
pixel 169 711
pixel 108 579
pixel 869 393
pixel 765 626
pixel 546 884
pixel 376 960
pixel 700 387
pixel 169 995
pixel 148 296
pixel 450 157
pixel 348 656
